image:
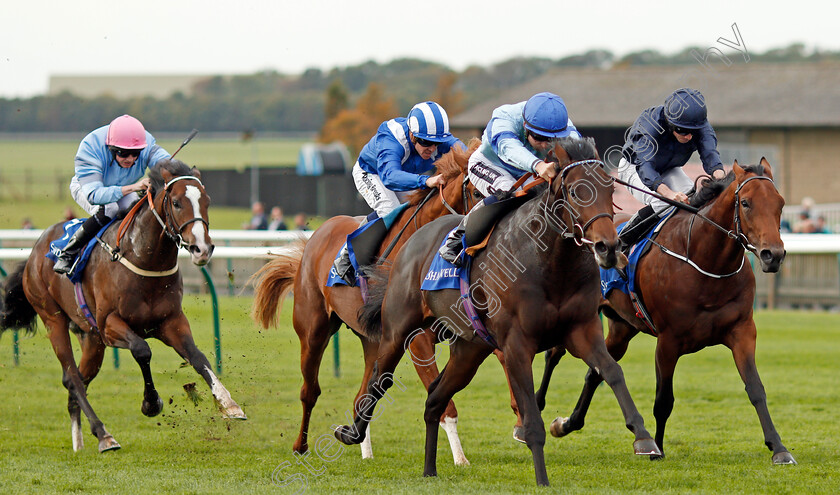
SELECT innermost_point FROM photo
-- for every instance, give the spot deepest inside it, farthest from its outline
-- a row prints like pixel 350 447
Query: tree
pixel 447 96
pixel 336 99
pixel 354 127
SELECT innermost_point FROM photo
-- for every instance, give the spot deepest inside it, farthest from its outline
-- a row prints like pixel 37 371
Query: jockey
pixel 393 161
pixel 660 142
pixel 515 142
pixel 110 165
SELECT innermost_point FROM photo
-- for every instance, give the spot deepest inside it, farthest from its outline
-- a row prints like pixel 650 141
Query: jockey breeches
pixel 675 178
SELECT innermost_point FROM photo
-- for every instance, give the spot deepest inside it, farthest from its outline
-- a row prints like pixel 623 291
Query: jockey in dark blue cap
pixel 660 142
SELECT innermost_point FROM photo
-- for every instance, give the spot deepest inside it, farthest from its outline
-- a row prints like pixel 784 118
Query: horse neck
pixel 709 246
pixel 147 239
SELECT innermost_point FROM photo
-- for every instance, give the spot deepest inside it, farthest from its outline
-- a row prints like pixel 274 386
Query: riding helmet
pixel 686 108
pixel 545 114
pixel 126 132
pixel 429 121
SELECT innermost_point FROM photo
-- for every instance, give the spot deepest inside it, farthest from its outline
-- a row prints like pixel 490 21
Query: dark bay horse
pixel 319 310
pixel 535 287
pixel 705 299
pixel 130 301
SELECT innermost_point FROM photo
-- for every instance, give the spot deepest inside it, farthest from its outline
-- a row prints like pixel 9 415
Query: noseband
pixel 170 226
pixel 578 231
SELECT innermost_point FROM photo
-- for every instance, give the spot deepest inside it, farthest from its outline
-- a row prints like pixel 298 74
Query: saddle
pixel 484 220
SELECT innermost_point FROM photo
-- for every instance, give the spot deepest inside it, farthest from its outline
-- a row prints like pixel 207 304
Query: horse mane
pixel 174 167
pixel 450 165
pixel 711 188
pixel 579 149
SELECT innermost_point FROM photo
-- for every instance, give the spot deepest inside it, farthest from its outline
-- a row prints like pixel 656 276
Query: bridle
pixel 465 197
pixel 170 226
pixel 578 233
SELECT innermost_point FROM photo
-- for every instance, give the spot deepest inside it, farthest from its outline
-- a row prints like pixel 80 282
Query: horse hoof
pixel 234 412
pixel 150 410
pixel 783 458
pixel 558 427
pixel 646 446
pixel 108 443
pixel 343 434
pixel 518 434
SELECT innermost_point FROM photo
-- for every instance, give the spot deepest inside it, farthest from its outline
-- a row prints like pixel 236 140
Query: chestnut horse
pixel 542 296
pixel 130 301
pixel 704 298
pixel 319 310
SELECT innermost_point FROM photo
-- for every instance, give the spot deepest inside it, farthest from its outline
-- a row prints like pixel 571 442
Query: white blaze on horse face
pixel 198 231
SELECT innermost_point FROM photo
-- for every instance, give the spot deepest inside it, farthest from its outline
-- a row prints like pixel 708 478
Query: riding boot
pixel 342 265
pixel 453 250
pixel 638 225
pixel 67 256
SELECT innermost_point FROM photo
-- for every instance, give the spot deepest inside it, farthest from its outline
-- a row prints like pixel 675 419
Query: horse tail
pixel 370 314
pixel 273 282
pixel 15 310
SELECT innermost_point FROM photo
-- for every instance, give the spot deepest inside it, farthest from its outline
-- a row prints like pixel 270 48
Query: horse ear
pixel 768 170
pixel 739 172
pixel 166 175
pixel 562 156
pixel 195 173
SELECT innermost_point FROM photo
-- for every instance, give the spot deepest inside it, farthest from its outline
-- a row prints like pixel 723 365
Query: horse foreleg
pixel 617 340
pixel 93 352
pixel 382 378
pixel 743 351
pixel 74 383
pixel 552 359
pixel 175 332
pixel 370 350
pixel 118 334
pixel 518 363
pixel 588 343
pixel 464 361
pixel 314 333
pixel 421 348
pixel 663 404
pixel 518 434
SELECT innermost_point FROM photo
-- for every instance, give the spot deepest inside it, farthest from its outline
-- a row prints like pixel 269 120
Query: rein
pixel 581 239
pixel 167 229
pixel 737 234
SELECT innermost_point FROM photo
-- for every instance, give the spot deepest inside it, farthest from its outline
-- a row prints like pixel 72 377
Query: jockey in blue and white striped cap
pixel 392 163
pixel 402 149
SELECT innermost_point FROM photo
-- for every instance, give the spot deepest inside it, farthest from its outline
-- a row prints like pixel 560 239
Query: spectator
pixel 258 218
pixel 805 225
pixel 26 224
pixel 820 227
pixel 277 222
pixel 300 222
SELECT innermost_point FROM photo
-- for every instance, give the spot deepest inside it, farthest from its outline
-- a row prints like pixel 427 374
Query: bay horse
pixel 703 299
pixel 319 310
pixel 130 301
pixel 535 287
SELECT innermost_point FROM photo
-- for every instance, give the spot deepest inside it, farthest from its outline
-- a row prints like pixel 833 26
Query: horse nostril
pixel 601 248
pixel 766 255
pixel 194 250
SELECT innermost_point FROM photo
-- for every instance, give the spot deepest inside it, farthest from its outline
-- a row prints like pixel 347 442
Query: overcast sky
pixel 88 37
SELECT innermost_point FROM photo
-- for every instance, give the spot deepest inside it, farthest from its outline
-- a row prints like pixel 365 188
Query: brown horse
pixel 129 301
pixel 542 296
pixel 707 296
pixel 320 310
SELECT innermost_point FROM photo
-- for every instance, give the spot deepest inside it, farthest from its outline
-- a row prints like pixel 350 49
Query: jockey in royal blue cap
pixel 660 142
pixel 393 162
pixel 515 142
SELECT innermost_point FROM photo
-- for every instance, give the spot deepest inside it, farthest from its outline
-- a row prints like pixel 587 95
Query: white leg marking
pixel 367 449
pixel 76 433
pixel 450 426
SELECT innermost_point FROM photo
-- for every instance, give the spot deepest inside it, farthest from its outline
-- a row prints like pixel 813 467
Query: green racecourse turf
pixel 713 440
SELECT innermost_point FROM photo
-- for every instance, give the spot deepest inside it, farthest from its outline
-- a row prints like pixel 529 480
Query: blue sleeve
pixel 90 162
pixel 645 143
pixel 707 149
pixel 389 165
pixel 504 139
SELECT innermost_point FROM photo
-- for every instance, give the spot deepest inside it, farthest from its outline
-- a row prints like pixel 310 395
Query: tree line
pixel 340 102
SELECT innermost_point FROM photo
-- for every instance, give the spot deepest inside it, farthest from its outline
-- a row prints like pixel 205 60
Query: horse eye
pixel 176 203
pixel 745 203
pixel 477 194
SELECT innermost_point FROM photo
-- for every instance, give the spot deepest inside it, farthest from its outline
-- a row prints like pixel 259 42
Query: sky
pixel 161 37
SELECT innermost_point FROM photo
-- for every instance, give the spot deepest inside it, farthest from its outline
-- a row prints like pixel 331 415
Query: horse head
pixel 181 204
pixel 758 212
pixel 583 199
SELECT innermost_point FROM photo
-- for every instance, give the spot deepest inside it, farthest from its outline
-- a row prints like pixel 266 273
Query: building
pixel 788 113
pixel 124 86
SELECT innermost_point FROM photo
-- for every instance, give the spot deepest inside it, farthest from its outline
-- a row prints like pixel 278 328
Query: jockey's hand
pixel 546 170
pixel 435 181
pixel 719 174
pixel 681 197
pixel 138 186
pixel 670 194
